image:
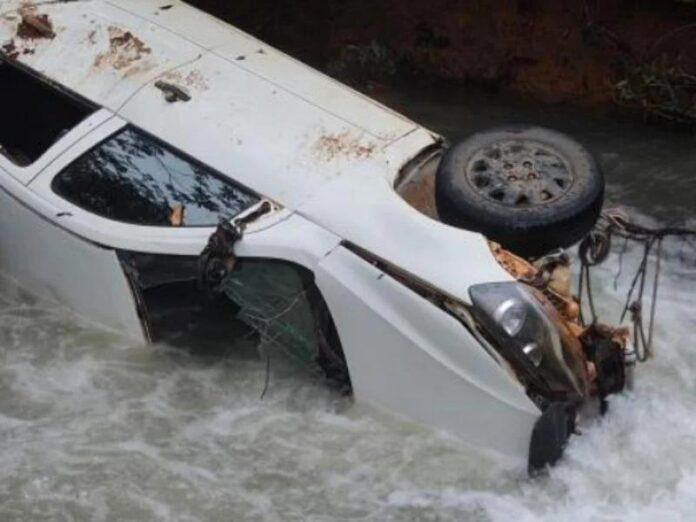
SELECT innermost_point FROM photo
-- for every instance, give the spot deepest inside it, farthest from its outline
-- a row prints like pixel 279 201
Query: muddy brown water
pixel 93 428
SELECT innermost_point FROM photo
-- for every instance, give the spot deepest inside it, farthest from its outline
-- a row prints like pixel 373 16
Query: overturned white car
pixel 161 171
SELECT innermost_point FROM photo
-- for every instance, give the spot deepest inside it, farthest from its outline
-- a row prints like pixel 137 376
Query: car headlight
pixel 516 321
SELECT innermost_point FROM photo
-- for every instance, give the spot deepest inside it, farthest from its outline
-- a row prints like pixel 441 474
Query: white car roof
pixel 255 114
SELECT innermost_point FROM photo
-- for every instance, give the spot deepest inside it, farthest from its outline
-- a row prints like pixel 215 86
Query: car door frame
pixel 26 174
pixel 104 231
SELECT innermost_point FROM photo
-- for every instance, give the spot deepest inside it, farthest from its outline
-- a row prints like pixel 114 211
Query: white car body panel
pixel 313 146
pixel 325 155
pixel 236 138
pixel 99 71
pixel 408 356
pixel 447 258
pixel 293 239
pixel 57 265
pixel 259 59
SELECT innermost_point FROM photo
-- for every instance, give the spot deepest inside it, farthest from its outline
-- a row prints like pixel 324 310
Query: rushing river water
pixel 94 428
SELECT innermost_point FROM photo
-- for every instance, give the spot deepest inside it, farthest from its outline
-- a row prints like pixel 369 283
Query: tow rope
pixel 595 249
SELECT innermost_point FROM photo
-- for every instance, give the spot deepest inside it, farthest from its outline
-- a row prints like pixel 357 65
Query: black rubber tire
pixel 530 230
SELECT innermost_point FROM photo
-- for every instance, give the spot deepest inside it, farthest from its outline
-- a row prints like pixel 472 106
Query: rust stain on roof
pixel 10 50
pixel 30 26
pixel 329 146
pixel 194 79
pixel 33 26
pixel 124 50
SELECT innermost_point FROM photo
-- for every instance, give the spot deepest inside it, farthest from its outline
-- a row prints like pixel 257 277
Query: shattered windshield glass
pixel 135 179
pixel 273 298
pixel 281 302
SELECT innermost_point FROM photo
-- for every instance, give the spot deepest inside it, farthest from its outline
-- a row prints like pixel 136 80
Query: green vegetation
pixel 661 91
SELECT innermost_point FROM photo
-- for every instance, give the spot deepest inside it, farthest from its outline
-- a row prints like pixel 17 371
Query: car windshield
pixel 134 178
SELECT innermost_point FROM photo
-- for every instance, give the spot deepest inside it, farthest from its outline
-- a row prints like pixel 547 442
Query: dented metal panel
pixel 102 53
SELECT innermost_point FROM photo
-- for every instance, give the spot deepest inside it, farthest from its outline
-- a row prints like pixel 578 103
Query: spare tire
pixel 531 189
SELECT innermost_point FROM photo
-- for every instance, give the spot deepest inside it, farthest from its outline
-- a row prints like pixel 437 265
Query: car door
pixel 154 209
pixel 52 261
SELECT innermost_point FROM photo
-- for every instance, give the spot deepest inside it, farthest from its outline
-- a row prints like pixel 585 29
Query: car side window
pixel 135 179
